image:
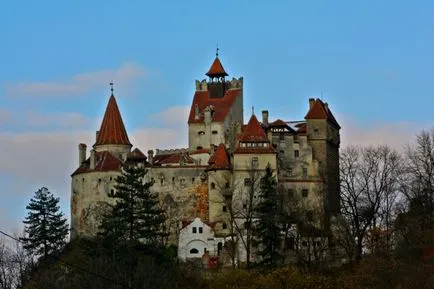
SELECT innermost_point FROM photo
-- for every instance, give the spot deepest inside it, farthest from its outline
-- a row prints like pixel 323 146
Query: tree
pixel 46 228
pixel 267 229
pixel 135 217
pixel 369 182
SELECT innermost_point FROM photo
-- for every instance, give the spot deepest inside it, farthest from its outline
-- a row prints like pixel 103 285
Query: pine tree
pixel 267 231
pixel 135 217
pixel 46 228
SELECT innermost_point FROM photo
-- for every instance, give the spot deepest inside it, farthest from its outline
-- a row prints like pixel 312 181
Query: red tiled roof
pixel 216 69
pixel 112 129
pixel 320 111
pixel 172 158
pixel 221 105
pixel 253 132
pixel 104 161
pixel 137 154
pixel 301 128
pixel 220 159
pixel 278 122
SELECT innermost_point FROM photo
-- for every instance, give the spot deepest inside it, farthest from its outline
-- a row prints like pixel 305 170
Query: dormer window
pixel 201 132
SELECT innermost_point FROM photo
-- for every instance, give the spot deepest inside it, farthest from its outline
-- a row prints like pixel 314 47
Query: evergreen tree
pixel 135 217
pixel 267 231
pixel 46 228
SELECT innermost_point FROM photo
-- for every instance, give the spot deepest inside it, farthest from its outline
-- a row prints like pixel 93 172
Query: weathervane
pixel 111 86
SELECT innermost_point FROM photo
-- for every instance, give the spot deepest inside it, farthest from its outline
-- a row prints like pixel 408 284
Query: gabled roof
pixel 321 111
pixel 216 69
pixel 173 158
pixel 221 105
pixel 137 154
pixel 112 129
pixel 104 161
pixel 220 159
pixel 253 132
pixel 280 123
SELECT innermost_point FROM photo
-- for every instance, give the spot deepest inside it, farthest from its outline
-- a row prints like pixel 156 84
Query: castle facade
pixel 215 180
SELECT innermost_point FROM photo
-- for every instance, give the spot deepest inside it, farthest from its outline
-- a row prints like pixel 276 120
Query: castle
pixel 210 188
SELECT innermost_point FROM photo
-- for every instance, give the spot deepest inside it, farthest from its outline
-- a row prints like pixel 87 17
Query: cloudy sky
pixel 371 60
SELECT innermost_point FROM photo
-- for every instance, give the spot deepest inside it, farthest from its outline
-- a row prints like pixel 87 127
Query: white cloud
pixel 78 84
pixel 394 134
pixel 173 116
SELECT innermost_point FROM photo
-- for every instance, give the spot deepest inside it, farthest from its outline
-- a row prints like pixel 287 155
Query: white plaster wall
pixel 188 240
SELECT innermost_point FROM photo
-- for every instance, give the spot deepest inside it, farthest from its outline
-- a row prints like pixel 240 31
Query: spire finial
pixel 253 110
pixel 217 51
pixel 111 86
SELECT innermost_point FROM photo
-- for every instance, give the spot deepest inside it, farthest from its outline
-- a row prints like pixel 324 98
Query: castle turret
pixel 217 106
pixel 112 135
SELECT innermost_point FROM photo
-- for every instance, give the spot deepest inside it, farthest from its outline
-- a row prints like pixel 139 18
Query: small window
pixel 161 181
pixel 290 193
pixel 99 180
pixel 200 230
pixel 304 172
pixel 309 216
pixel 281 136
pixel 225 209
pixel 244 206
pixel 316 130
pixel 152 180
pixel 290 172
pixel 111 178
pixel 194 251
pixel 112 191
pixel 224 226
pixel 213 186
pixel 201 132
pixel 282 152
pixel 199 147
pixel 192 180
pixel 304 193
pixel 214 132
pixel 227 186
pixel 247 182
pixel 254 162
pixel 194 230
pixel 296 153
pixel 173 179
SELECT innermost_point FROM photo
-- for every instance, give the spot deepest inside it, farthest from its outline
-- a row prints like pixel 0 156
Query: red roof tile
pixel 104 161
pixel 253 132
pixel 137 154
pixel 221 105
pixel 173 158
pixel 216 69
pixel 220 159
pixel 112 129
pixel 200 151
pixel 320 111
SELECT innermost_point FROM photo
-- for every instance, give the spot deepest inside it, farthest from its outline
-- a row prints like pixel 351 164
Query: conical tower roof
pixel 112 129
pixel 216 69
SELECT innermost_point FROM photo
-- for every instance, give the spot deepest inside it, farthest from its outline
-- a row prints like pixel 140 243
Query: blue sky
pixel 373 62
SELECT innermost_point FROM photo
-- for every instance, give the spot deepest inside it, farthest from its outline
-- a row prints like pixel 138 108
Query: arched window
pixel 212 185
pixel 194 251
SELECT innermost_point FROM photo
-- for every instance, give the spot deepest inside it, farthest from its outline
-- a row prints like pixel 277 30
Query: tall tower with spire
pixel 112 135
pixel 217 108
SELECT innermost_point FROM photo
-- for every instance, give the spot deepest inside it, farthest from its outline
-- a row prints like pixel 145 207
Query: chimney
pixel 311 102
pixel 265 117
pixel 81 153
pixel 196 112
pixel 92 159
pixel 207 115
pixel 150 156
pixel 96 135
